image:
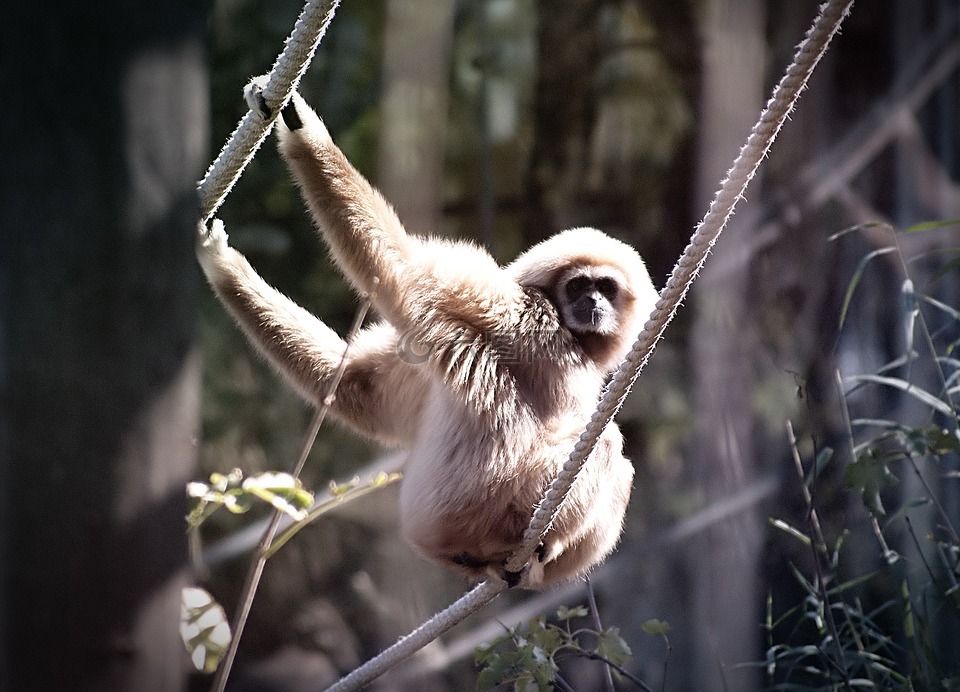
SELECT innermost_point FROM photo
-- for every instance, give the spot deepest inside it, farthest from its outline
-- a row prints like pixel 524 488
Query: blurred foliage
pixel 896 624
pixel 528 656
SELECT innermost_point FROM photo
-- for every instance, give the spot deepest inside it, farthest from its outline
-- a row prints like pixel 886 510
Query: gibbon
pixel 485 374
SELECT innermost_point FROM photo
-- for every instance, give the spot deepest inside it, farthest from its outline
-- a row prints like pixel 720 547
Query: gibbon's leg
pixel 378 394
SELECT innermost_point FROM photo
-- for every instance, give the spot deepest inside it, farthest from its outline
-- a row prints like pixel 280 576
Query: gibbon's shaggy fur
pixel 486 374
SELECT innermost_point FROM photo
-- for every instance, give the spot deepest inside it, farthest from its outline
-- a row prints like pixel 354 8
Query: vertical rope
pixel 254 127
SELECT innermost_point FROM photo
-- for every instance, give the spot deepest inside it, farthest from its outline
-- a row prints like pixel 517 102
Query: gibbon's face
pixel 590 299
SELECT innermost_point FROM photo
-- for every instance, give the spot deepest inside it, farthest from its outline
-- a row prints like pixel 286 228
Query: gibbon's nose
pixel 586 310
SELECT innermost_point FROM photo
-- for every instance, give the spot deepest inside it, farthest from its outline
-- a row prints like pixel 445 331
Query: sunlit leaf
pixel 613 647
pixel 786 528
pixel 564 613
pixel 203 628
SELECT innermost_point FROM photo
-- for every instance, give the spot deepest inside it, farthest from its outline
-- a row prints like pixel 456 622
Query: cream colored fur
pixel 473 370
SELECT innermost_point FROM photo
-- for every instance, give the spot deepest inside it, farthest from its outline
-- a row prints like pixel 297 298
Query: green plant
pixel 908 638
pixel 528 655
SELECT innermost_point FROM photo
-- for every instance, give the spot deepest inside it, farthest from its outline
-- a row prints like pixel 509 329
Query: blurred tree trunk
pixel 418 36
pixel 418 40
pixel 104 132
pixel 724 561
pixel 568 51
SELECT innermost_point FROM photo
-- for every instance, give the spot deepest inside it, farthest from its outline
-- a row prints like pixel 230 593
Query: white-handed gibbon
pixel 485 374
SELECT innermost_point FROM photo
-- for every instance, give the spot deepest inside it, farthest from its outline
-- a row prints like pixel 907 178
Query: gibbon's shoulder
pixel 470 280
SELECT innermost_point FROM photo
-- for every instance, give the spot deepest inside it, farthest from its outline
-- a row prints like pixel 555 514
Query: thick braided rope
pixel 784 98
pixel 254 127
pixel 781 103
pixel 466 605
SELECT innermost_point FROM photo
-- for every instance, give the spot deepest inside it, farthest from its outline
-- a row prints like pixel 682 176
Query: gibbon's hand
pixel 212 247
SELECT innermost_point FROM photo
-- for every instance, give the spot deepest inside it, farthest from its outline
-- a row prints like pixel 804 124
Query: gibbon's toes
pixel 253 95
pixel 512 578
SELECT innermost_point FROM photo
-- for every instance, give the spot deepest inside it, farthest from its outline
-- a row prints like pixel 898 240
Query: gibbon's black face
pixel 589 302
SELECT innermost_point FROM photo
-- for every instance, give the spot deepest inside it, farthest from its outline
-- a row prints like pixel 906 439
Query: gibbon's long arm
pixel 376 396
pixel 460 287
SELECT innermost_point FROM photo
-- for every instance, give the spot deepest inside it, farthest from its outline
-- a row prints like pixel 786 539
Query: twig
pixel 620 669
pixel 818 545
pixel 252 581
pixel 592 600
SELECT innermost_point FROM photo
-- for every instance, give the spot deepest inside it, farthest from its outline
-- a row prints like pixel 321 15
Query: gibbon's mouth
pixel 589 317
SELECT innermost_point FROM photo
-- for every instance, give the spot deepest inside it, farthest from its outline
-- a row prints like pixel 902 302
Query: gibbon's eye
pixel 608 288
pixel 577 286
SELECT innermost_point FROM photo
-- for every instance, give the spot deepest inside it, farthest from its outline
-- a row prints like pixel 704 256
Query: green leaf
pixel 564 613
pixel 920 394
pixel 656 627
pixel 613 647
pixel 855 280
pixel 487 679
pixel 854 229
pixel 869 476
pixel 932 439
pixel 931 225
pixel 786 528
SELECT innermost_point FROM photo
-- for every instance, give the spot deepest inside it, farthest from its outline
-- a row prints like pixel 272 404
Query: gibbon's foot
pixel 469 561
pixel 253 95
pixel 533 568
pixel 291 118
pixel 513 578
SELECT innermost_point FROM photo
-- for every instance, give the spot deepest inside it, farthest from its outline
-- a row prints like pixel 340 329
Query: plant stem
pixel 252 581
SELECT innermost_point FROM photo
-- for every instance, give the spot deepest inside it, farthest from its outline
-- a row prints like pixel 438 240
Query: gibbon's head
pixel 599 285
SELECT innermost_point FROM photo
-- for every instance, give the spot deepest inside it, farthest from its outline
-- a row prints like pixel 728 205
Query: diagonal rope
pixel 274 91
pixel 775 113
pixel 254 127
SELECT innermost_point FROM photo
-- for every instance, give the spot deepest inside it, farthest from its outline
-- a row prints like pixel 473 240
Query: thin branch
pixel 817 546
pixel 592 601
pixel 255 572
pixel 620 669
